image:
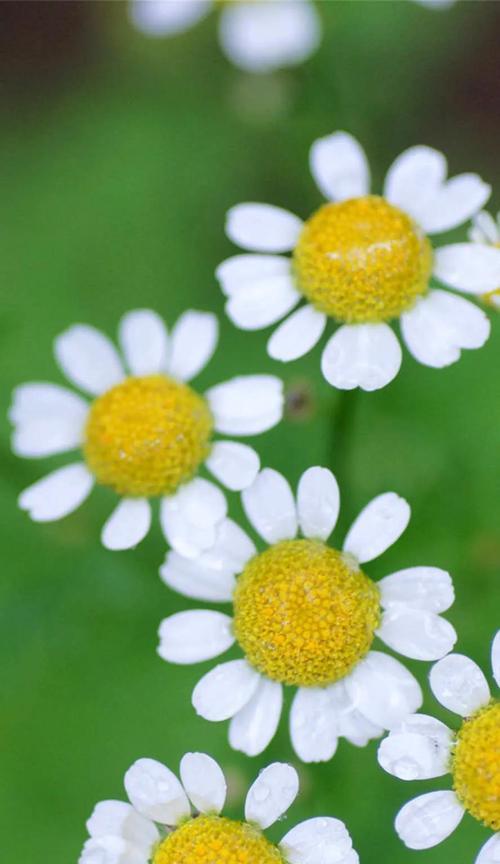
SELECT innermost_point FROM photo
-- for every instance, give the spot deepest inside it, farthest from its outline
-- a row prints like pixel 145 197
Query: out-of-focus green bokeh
pixel 119 158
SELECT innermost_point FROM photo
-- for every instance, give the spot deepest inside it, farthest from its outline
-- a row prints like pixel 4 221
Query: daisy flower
pixel 485 229
pixel 169 821
pixel 363 260
pixel 146 432
pixel 422 748
pixel 305 615
pixel 256 35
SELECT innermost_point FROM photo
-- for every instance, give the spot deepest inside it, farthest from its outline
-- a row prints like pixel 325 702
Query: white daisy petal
pixel 377 527
pixel 427 588
pixel 194 636
pixel 469 267
pixel 252 728
pixel 88 359
pixel 120 819
pixel 297 335
pixel 270 506
pixel 112 850
pixel 235 465
pixel 57 494
pixel 313 728
pixel 414 177
pixel 246 405
pixel 495 658
pixel 321 840
pixel 155 792
pixel 440 325
pixel 260 303
pixel 49 420
pixel 339 166
pixel 144 342
pixel 166 17
pixel 416 633
pixel 419 750
pixel 361 355
pixel 231 550
pixel 260 37
pixel 490 852
pixel 452 203
pixel 189 518
pixel 224 691
pixel 318 502
pixel 429 819
pixel 271 794
pixel 263 227
pixel 204 782
pixel 484 224
pixel 192 579
pixel 128 524
pixel 383 689
pixel 240 271
pixel 193 341
pixel 458 683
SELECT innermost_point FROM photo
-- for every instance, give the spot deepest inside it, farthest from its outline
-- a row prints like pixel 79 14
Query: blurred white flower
pixel 306 615
pixel 364 260
pixel 147 432
pixel 256 35
pixel 485 229
pixel 422 748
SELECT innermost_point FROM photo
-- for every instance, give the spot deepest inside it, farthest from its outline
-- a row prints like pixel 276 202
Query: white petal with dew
pixel 297 335
pixel 189 518
pixel 57 494
pixel 224 691
pixel 89 359
pixel 419 587
pixel 263 227
pixel 128 524
pixel 110 849
pixel 144 342
pixel 204 782
pixel 377 527
pixel 458 683
pixel 409 755
pixel 429 819
pixel 361 355
pixel 235 465
pixel 440 325
pixel 321 840
pixel 339 166
pixel 313 727
pixel 254 726
pixel 193 342
pixel 194 636
pixel 247 404
pixel 416 633
pixel 271 794
pixel 156 792
pixel 120 819
pixel 383 690
pixel 318 502
pixel 270 506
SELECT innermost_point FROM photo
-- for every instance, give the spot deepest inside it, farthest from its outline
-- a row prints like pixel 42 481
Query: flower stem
pixel 341 435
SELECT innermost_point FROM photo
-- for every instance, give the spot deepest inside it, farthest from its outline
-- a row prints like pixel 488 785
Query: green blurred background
pixel 119 158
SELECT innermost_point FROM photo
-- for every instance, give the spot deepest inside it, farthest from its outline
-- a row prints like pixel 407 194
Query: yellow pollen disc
pixel 476 765
pixel 303 614
pixel 147 435
pixel 362 260
pixel 215 840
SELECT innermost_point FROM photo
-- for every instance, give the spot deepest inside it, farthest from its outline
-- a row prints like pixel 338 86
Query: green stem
pixel 341 434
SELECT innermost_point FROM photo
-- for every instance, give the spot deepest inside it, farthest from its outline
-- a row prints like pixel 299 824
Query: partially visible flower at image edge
pixel 305 615
pixel 145 434
pixel 423 748
pixel 159 825
pixel 364 260
pixel 485 229
pixel 255 35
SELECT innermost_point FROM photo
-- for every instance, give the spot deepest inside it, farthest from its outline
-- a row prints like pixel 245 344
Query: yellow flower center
pixel 362 260
pixel 215 840
pixel 304 614
pixel 147 435
pixel 476 765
